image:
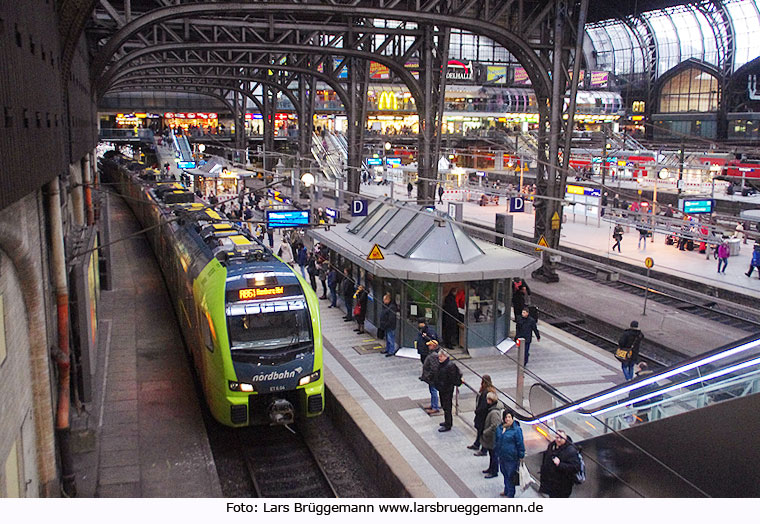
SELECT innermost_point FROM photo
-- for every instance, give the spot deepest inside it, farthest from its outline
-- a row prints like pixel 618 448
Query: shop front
pixel 206 122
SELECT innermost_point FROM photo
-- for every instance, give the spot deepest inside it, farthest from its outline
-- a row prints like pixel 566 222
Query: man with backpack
pixel 447 378
pixel 561 466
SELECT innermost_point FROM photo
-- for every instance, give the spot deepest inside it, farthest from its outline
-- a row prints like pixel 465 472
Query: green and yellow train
pixel 251 324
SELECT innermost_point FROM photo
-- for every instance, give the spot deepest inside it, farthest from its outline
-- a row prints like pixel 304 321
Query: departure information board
pixel 287 218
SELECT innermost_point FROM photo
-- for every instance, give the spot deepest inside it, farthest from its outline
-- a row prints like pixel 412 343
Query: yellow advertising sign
pixel 387 101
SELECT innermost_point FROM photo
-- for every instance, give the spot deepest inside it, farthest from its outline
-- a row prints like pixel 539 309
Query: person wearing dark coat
pixel 450 319
pixel 429 372
pixel 347 290
pixel 302 259
pixel 311 268
pixel 631 339
pixel 427 343
pixel 559 466
pixel 447 378
pixel 322 267
pixel 361 305
pixel 481 409
pixel 387 323
pixel 524 328
pixel 441 191
pixel 425 335
pixel 520 299
pixel 332 285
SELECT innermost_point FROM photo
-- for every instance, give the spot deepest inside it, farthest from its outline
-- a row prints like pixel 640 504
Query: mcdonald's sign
pixel 387 101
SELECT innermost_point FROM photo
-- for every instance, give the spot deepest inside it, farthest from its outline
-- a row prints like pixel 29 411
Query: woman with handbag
pixel 360 308
pixel 481 410
pixel 510 448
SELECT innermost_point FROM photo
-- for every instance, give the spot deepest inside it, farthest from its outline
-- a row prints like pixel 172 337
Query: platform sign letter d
pixel 359 208
pixel 516 205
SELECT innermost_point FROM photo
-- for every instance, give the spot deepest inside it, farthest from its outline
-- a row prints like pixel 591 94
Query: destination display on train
pixel 260 292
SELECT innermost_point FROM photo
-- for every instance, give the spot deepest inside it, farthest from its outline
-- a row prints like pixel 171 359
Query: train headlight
pixel 241 386
pixel 309 378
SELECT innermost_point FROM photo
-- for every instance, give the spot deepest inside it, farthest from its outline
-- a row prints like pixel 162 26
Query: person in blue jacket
pixel 302 259
pixel 509 448
pixel 755 262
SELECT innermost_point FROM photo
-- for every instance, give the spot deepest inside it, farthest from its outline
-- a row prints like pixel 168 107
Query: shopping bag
pixel 525 478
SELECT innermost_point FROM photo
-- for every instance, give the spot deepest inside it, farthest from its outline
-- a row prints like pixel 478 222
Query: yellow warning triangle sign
pixel 375 253
pixel 542 242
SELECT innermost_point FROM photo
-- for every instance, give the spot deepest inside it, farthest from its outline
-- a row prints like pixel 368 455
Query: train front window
pixel 269 325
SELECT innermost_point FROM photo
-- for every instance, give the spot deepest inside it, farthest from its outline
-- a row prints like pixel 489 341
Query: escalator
pixel 185 154
pixel 684 431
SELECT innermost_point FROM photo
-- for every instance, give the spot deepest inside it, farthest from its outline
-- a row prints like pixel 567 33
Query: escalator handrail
pixel 680 385
pixel 580 406
pixel 683 397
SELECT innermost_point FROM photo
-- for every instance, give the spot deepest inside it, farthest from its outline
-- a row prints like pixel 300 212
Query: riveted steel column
pixel 433 62
pixel 358 81
pixel 268 117
pixel 550 206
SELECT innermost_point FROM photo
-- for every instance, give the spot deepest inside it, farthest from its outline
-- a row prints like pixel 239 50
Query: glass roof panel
pixel 600 39
pixel 709 43
pixel 746 23
pixel 668 47
pixel 689 34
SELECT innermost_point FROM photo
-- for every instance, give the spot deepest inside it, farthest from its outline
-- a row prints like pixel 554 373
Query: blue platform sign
pixel 359 208
pixel 393 161
pixel 332 213
pixel 696 206
pixel 374 161
pixel 186 165
pixel 516 205
pixel 289 218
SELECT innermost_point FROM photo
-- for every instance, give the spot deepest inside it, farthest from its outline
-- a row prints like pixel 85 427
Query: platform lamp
pixel 307 179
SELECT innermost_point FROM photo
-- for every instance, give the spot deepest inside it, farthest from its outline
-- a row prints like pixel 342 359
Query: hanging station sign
pixel 456 70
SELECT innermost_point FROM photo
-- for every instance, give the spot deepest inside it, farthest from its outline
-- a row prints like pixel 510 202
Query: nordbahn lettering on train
pixel 250 322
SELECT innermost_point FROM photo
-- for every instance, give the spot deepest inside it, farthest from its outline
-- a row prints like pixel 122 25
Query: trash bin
pixel 734 246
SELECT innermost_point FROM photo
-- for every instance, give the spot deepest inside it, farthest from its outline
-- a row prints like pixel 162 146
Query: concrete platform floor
pixel 390 393
pixel 146 433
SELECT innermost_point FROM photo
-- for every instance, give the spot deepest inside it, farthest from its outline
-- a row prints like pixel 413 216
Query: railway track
pixel 707 309
pixel 281 464
pixel 654 355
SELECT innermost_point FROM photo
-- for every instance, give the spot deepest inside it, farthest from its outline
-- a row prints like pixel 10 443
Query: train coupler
pixel 281 412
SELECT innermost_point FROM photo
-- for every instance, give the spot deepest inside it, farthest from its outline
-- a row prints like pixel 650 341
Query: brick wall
pixel 17 424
